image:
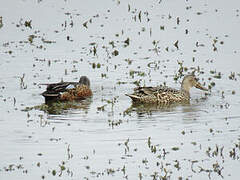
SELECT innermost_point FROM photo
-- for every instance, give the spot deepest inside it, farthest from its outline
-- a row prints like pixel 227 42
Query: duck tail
pixel 50 96
pixel 133 97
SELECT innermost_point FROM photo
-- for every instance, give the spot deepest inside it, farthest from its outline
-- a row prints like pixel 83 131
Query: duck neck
pixel 185 88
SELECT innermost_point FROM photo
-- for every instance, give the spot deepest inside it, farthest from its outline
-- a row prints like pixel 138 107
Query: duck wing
pixel 155 90
pixel 159 93
pixel 55 89
pixel 145 90
pixel 61 87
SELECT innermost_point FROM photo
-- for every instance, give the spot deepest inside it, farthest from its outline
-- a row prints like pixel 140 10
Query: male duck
pixel 165 95
pixel 68 91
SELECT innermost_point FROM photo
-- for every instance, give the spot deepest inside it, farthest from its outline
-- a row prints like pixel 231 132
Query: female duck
pixel 165 95
pixel 68 91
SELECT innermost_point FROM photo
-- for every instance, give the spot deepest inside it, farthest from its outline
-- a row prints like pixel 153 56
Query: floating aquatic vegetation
pixel 176 44
pixel 151 139
pixel 232 76
pixel 115 53
pixel 113 123
pixel 126 42
pixel 22 83
pixel 85 24
pixel 218 75
pixel 94 65
pixel 28 24
pixel 180 71
pixel 47 41
pixel 1 22
pixel 31 37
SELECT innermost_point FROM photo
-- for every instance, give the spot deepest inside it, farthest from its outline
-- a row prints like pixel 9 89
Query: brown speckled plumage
pixel 80 92
pixel 164 94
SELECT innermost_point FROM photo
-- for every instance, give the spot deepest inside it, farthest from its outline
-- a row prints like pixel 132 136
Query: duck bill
pixel 199 86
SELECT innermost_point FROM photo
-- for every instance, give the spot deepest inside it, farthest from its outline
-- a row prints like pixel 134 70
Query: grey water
pixel 119 45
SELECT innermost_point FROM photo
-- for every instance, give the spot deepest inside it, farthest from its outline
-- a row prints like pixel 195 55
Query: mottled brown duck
pixel 166 95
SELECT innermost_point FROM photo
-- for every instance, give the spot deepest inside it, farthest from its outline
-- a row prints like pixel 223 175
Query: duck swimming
pixel 68 91
pixel 166 95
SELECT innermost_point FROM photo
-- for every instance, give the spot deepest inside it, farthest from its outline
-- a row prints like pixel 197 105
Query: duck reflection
pixel 59 107
pixel 148 109
pixel 189 111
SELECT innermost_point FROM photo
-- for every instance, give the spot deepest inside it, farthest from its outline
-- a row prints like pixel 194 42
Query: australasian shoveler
pixel 68 91
pixel 166 95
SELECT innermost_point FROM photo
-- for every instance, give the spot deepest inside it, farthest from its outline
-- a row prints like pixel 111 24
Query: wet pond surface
pixel 119 45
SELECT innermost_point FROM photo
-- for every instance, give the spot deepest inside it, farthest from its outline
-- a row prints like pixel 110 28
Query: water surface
pixel 119 44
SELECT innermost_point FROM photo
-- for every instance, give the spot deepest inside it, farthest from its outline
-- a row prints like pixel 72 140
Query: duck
pixel 166 95
pixel 68 91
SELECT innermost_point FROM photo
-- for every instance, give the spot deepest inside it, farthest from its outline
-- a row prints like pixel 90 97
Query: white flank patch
pixel 70 86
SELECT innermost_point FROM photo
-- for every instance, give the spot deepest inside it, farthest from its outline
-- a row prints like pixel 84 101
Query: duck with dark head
pixel 68 91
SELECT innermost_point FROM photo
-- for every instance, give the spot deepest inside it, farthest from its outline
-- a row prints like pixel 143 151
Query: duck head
pixel 190 81
pixel 84 80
